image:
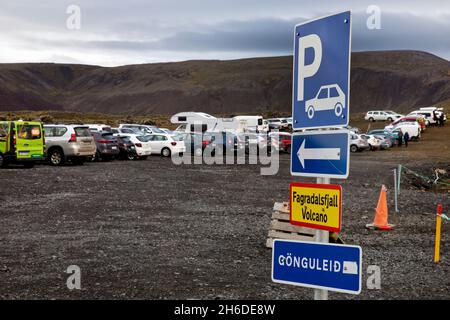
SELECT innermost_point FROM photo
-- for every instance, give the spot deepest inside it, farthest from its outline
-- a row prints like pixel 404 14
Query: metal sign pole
pixel 323 237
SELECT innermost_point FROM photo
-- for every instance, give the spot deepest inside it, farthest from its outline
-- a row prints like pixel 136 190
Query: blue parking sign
pixel 321 153
pixel 321 79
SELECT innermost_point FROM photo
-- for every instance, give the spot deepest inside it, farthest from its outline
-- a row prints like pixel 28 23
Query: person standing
pixel 400 138
pixel 441 119
pixel 406 138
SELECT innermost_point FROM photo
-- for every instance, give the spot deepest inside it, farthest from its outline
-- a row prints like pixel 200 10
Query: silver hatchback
pixel 68 143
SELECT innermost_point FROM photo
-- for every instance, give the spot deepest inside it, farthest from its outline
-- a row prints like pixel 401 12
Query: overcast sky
pixel 117 32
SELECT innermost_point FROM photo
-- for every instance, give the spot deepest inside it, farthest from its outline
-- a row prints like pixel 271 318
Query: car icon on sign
pixel 329 97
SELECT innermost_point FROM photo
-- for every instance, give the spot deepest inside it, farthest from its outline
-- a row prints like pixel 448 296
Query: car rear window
pixel 143 138
pixel 29 131
pixel 82 132
pixel 108 136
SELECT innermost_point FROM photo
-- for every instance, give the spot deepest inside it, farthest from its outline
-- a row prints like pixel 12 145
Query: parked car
pixel 165 144
pixel 278 124
pixel 253 142
pixel 281 141
pixel 436 112
pixel 142 145
pixel 21 142
pixel 223 142
pixel 352 129
pixel 98 127
pixel 385 142
pixel 382 115
pixel 142 129
pixel 127 149
pixel 107 146
pixel 389 136
pixel 167 131
pixel 195 142
pixel 413 129
pixel 120 131
pixel 427 114
pixel 420 120
pixel 358 143
pixel 68 143
pixel 373 141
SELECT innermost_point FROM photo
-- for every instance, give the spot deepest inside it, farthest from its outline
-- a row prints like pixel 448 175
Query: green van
pixel 21 142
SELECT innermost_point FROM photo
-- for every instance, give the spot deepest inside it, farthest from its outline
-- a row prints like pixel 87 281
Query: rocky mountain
pixel 399 80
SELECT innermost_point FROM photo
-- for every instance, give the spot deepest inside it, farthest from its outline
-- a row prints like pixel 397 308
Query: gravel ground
pixel 154 230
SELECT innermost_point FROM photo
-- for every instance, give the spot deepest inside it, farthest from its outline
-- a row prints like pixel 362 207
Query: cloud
pixel 141 31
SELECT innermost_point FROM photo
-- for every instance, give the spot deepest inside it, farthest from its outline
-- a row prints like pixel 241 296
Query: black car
pixel 107 146
pixel 195 142
pixel 127 150
pixel 223 142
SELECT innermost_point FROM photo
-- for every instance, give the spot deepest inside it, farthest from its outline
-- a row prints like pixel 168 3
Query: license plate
pixel 23 153
pixel 114 148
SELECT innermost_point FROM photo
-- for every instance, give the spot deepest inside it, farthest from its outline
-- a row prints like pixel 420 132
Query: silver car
pixel 68 143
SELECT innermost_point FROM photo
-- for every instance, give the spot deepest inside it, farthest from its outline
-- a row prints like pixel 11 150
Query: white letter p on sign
pixel 305 71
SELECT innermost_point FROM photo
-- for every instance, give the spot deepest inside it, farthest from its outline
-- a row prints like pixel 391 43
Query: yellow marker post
pixel 437 241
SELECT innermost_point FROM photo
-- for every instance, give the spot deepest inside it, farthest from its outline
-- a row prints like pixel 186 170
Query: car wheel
pixel 166 152
pixel 353 148
pixel 56 157
pixel 389 119
pixel 131 156
pixel 371 119
pixel 310 112
pixel 290 127
pixel 96 157
pixel 338 109
pixel 3 163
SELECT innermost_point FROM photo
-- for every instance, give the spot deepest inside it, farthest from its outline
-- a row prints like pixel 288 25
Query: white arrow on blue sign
pixel 321 78
pixel 317 265
pixel 323 153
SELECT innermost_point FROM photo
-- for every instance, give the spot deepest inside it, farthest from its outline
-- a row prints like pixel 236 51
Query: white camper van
pixel 202 122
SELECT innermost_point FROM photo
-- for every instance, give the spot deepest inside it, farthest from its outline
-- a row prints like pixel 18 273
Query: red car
pixel 283 141
pixel 420 120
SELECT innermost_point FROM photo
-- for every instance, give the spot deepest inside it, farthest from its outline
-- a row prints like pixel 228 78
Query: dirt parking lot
pixel 154 230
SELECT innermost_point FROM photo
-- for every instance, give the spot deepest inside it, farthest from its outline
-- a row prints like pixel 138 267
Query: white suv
pixel 68 142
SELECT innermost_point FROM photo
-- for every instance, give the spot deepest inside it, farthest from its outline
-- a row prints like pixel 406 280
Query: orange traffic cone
pixel 380 222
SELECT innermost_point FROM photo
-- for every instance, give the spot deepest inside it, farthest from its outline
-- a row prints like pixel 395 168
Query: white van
pixel 427 114
pixel 413 129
